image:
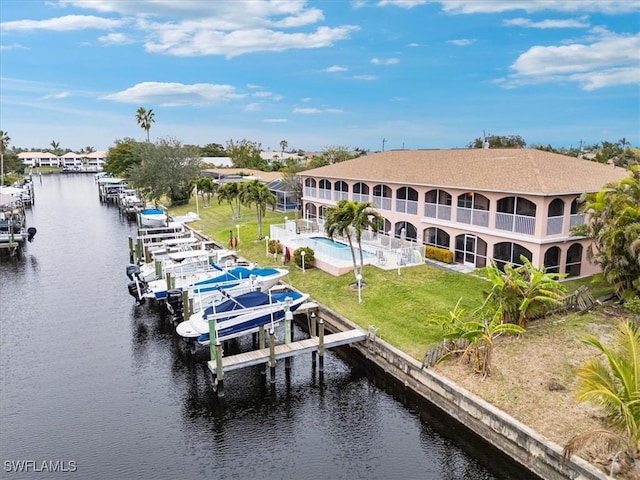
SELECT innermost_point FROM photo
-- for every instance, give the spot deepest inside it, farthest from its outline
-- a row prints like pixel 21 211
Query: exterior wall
pixel 527 231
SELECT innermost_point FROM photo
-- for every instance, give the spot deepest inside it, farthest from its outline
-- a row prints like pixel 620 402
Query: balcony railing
pixel 473 216
pixel 435 210
pixel 360 197
pixel 340 195
pixel 516 223
pixel 576 219
pixel 554 225
pixel 310 192
pixel 383 203
pixel 324 193
pixel 407 206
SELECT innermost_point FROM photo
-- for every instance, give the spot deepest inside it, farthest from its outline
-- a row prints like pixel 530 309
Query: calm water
pixel 91 381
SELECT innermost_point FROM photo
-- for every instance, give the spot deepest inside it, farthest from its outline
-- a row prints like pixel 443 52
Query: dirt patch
pixel 532 375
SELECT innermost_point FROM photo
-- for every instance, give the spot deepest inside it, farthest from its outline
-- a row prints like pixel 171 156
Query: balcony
pixel 338 195
pixel 310 192
pixel 382 203
pixel 407 206
pixel 576 219
pixel 360 197
pixel 473 216
pixel 324 193
pixel 516 223
pixel 435 210
pixel 554 225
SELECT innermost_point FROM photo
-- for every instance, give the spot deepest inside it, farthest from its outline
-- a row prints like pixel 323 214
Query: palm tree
pixel 145 119
pixel 55 146
pixel 348 218
pixel 206 187
pixel 612 381
pixel 230 193
pixel 283 145
pixel 614 225
pixel 254 192
pixel 4 143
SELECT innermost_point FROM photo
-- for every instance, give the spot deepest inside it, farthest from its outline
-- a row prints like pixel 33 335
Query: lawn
pixel 397 305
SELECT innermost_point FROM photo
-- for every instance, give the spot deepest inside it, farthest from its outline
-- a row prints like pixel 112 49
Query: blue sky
pixel 406 73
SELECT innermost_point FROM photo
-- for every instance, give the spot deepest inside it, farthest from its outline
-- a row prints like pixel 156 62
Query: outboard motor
pixel 31 232
pixel 174 303
pixel 133 271
pixel 135 290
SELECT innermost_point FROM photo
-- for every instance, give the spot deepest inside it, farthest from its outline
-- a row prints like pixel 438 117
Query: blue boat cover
pixel 239 273
pixel 250 299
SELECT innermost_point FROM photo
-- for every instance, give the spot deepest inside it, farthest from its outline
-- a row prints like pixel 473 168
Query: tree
pixel 145 119
pixel 4 143
pixel 246 154
pixel 612 381
pixel 348 219
pixel 55 146
pixel 523 292
pixel 213 150
pixel 88 149
pixel 230 193
pixel 614 225
pixel 167 169
pixel 499 141
pixel 123 156
pixel 292 182
pixel 206 187
pixel 255 193
pixel 283 146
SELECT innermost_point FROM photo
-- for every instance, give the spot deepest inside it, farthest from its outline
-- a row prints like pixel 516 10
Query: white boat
pixel 13 227
pixel 153 217
pixel 240 314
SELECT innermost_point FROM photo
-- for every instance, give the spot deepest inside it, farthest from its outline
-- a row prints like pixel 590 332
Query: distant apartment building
pixel 482 204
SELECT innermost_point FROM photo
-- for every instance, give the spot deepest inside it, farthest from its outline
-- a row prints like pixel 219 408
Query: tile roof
pixel 264 176
pixel 522 170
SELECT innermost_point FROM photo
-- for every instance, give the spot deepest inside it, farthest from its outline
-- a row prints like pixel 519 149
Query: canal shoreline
pixel 525 446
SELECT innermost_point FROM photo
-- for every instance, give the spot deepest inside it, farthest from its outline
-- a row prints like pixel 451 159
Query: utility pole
pixel 384 140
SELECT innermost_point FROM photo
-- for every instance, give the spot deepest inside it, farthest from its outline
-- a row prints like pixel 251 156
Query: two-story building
pixel 39 159
pixel 482 204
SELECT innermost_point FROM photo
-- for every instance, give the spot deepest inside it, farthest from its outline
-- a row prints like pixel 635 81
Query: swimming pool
pixel 325 247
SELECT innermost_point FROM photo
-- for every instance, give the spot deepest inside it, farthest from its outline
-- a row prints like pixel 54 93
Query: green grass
pixel 398 305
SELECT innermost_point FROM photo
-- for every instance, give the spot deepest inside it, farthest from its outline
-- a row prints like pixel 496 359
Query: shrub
pixel 437 253
pixel 309 256
pixel 633 305
pixel 275 247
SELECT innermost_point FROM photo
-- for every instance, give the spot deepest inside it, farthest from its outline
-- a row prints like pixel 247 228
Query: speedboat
pixel 153 218
pixel 240 314
pixel 13 229
pixel 184 259
pixel 207 282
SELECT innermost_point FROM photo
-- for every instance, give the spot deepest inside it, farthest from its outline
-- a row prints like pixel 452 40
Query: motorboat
pixel 153 218
pixel 181 258
pixel 240 314
pixel 14 232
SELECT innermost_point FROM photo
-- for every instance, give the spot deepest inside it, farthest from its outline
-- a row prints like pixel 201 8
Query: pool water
pixel 329 249
pixel 328 241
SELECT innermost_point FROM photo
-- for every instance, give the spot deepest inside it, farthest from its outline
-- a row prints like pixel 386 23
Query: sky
pixel 369 74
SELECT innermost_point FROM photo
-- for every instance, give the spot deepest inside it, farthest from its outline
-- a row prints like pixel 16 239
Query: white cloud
pixel 499 6
pixel 115 39
pixel 385 61
pixel 315 111
pixel 335 68
pixel 367 78
pixel 252 107
pixel 14 46
pixel 275 120
pixel 461 42
pixel 62 24
pixel 610 60
pixel 175 94
pixel 582 22
pixel 56 95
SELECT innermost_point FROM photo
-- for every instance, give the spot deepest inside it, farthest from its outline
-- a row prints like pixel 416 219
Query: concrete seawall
pixel 525 446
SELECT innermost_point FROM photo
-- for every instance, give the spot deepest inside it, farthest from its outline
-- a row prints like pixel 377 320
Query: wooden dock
pixel 257 357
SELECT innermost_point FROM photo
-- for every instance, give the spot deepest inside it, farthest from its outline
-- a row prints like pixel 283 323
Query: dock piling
pixel 321 344
pixel 272 354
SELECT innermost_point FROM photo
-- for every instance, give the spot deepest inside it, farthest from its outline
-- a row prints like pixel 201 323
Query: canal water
pixel 93 387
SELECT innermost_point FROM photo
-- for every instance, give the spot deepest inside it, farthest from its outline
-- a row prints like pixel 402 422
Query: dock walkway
pixel 257 357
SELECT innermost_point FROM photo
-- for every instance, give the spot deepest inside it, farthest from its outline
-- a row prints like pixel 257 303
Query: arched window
pixel 574 260
pixel 516 214
pixel 552 260
pixel 507 252
pixel 473 208
pixel 437 237
pixel 437 204
pixel 324 189
pixel 386 228
pixel 310 187
pixel 407 200
pixel 382 197
pixel 470 250
pixel 310 211
pixel 555 217
pixel 361 192
pixel 340 191
pixel 576 218
pixel 406 230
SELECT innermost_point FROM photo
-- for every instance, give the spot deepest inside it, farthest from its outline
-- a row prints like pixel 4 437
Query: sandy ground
pixel 532 375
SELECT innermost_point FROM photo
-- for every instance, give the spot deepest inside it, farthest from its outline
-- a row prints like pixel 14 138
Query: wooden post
pixel 313 334
pixel 321 344
pixel 261 339
pixel 139 250
pixel 288 323
pixel 168 278
pixel 219 370
pixel 147 254
pixel 272 354
pixel 158 266
pixel 186 312
pixel 131 250
pixel 213 340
